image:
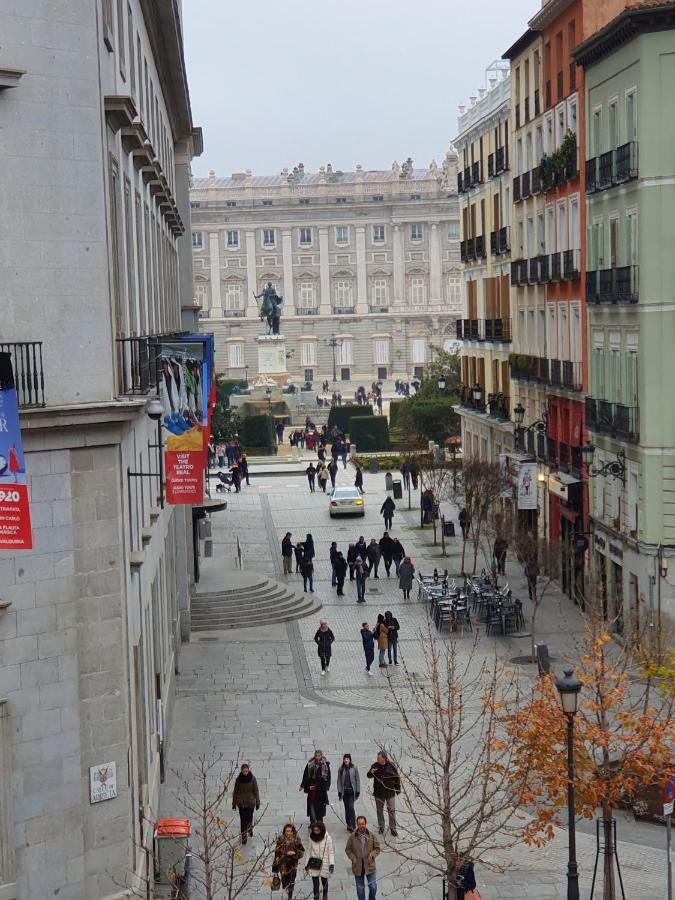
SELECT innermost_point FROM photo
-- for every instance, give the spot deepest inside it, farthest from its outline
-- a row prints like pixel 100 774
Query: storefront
pixel 566 512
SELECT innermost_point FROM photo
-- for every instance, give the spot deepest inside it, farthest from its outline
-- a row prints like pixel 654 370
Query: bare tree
pixel 478 489
pixel 220 869
pixel 454 759
pixel 436 477
pixel 541 563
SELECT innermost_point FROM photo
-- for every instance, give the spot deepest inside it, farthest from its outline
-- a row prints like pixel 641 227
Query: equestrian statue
pixel 270 308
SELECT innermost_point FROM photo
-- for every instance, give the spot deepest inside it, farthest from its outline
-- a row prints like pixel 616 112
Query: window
pixel 108 24
pixel 120 39
pixel 340 199
pixel 548 132
pixel 575 237
pixel 418 291
pixel 139 54
pixel 415 232
pixel 132 58
pixel 305 236
pixel 538 143
pixel 455 293
pixel 342 234
pixel 614 241
pixel 232 239
pixel 596 130
pixel 382 351
pixel 613 125
pixel 377 198
pixel 345 374
pixel 346 353
pixel 269 238
pixel 378 234
pixel 309 375
pixel 572 114
pixel 233 297
pixel 267 203
pixel 415 196
pixel 380 292
pixel 631 115
pixel 631 254
pixel 418 351
pixel 307 295
pixel 559 124
pixel 236 355
pixel 303 201
pixel 230 203
pixel 201 295
pixel 309 353
pixel 195 205
pixel 197 238
pixel 343 293
pixel 453 231
pixel 382 373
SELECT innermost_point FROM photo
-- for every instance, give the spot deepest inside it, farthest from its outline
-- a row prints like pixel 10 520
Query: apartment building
pixel 485 329
pixel 630 202
pixel 96 148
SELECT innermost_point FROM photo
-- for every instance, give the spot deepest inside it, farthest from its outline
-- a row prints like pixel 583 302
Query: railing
pixel 527 110
pixel 516 189
pixel 466 399
pixel 537 110
pixel 525 367
pixel 476 173
pixel 570 264
pixel 519 272
pixel 491 165
pixel 498 330
pixel 462 251
pixel 544 269
pixel 614 419
pixel 571 375
pixel 343 310
pixel 537 184
pixel 605 169
pixel 470 248
pixel 467 178
pixel 382 308
pixel 494 243
pixel 533 270
pixel 555 267
pixel 501 162
pixel 306 311
pixel 606 285
pixel 626 162
pixel 626 284
pixel 504 242
pixel 544 370
pixel 556 376
pixel 573 77
pixel 592 287
pixel 591 175
pixel 498 406
pixel 525 190
pixel 559 85
pixel 29 380
pixel 480 247
pixel 617 285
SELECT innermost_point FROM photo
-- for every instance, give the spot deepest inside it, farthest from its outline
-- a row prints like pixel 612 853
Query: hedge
pixel 256 432
pixel 340 415
pixel 369 433
pixel 435 419
pixel 396 407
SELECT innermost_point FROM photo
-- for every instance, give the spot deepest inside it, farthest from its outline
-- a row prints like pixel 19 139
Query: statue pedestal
pixel 272 357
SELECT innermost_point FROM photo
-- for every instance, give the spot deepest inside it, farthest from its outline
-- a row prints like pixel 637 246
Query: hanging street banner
pixel 527 486
pixel 185 367
pixel 15 531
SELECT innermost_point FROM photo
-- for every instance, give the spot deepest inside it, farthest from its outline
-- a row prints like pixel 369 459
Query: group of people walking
pixel 385 635
pixel 304 554
pixel 364 560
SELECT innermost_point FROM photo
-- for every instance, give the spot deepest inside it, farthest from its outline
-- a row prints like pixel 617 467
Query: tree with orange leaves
pixel 624 737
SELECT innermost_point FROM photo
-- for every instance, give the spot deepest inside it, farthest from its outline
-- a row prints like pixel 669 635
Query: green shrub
pixel 369 433
pixel 340 415
pixel 435 419
pixel 396 408
pixel 256 432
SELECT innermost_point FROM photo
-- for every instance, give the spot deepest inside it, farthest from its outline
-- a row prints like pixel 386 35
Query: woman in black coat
pixel 466 879
pixel 309 552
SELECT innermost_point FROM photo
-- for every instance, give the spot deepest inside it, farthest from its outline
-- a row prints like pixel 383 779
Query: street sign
pixel 669 790
pixel 668 808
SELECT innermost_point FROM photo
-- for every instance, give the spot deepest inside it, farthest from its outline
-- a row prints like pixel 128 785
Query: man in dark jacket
pixel 340 573
pixel 323 639
pixel 287 553
pixel 386 785
pixel 351 560
pixel 311 476
pixel 332 471
pixel 245 798
pixel 398 553
pixel 358 479
pixel 387 551
pixel 387 511
pixel 316 783
pixel 361 547
pixel 373 553
pixel 368 639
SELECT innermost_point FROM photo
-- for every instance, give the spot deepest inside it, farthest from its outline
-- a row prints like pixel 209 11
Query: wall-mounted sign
pixel 103 782
pixel 15 532
pixel 527 486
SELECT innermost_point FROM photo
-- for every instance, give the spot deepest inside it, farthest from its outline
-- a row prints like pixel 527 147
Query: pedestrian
pixel 348 788
pixel 368 640
pixel 361 573
pixel 299 555
pixel 322 475
pixel 340 573
pixel 246 799
pixel 311 476
pixel 466 879
pixel 379 403
pixel 287 853
pixel 361 547
pixel 309 552
pixel 387 551
pixel 229 453
pixel 316 780
pixel 323 639
pixel 464 523
pixel 427 506
pixel 405 472
pixel 406 571
pixel 332 471
pixel 321 859
pixel 220 450
pixel 386 785
pixel 287 553
pixel 387 512
pixel 362 848
pixel 344 449
pixel 280 432
pixel 358 478
pixel 381 635
pixel 243 468
pixel 398 554
pixel 307 570
pixel 351 560
pixel 236 477
pixel 332 555
pixel 373 554
pixel 532 573
pixel 301 438
pixel 500 549
pixel 392 636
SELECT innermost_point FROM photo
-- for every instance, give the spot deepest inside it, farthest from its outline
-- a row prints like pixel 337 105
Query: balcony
pixel 536 183
pixel 343 310
pixel 570 264
pixel 462 251
pixel 544 370
pixel 556 271
pixel 533 270
pixel 470 249
pixel 501 162
pixel 626 162
pixel 311 311
pixel 613 419
pixel 556 374
pixel 559 85
pixel 467 329
pixel 467 178
pixel 617 285
pixel 376 308
pixel 537 108
pixel 544 269
pixel 494 243
pixel 605 170
pixel 571 375
pixel 29 380
pixel 498 330
pixel 491 165
pixel 476 173
pixel 504 242
pixel 480 246
pixel 591 175
pixel 460 183
pixel 525 189
pixel 525 367
pixel 519 272
pixel 466 400
pixel 516 189
pixel 498 407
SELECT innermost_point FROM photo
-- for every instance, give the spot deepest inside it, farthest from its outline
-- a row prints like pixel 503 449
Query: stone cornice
pixel 84 415
pixel 624 28
pixel 548 13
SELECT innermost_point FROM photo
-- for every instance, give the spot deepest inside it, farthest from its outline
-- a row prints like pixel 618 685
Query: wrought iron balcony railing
pixel 516 189
pixel 498 330
pixel 605 169
pixel 544 269
pixel 556 267
pixel 491 165
pixel 533 270
pixel 618 285
pixel 591 175
pixel 525 189
pixel 614 419
pixel 501 162
pixel 626 162
pixel 29 379
pixel 570 264
pixel 504 242
pixel 480 246
pixel 498 407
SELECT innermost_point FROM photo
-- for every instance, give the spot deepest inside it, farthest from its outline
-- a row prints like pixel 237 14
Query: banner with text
pixel 15 531
pixel 527 486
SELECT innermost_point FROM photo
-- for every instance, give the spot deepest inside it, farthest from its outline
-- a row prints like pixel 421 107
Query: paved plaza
pixel 258 695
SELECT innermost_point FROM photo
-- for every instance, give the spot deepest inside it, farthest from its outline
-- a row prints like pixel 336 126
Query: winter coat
pixel 405 576
pixel 467 880
pixel 287 547
pixel 386 780
pixel 382 636
pixel 324 641
pixel 353 851
pixel 282 863
pixel 387 548
pixel 323 475
pixel 358 480
pixel 333 552
pixel 307 568
pixel 351 554
pixel 322 850
pixel 398 551
pixel 387 508
pixel 323 781
pixel 368 641
pixel 373 553
pixel 340 567
pixel 348 775
pixel 361 549
pixel 246 792
pixel 309 552
pixel 393 627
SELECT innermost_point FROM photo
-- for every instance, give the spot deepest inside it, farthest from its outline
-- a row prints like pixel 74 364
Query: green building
pixel 629 81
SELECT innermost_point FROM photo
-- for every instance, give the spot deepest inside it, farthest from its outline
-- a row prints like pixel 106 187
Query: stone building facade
pixel 94 181
pixel 368 257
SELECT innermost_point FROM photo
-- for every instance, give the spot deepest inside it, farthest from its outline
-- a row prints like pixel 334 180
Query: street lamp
pixel 334 342
pixel 615 467
pixel 441 382
pixel 539 426
pixel 477 392
pixel 268 397
pixel 568 688
pixel 519 414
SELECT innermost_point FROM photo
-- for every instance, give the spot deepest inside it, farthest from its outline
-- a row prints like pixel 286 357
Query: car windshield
pixel 345 492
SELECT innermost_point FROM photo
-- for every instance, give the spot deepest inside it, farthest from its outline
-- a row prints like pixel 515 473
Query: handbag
pixel 314 862
pixel 472 895
pixel 276 882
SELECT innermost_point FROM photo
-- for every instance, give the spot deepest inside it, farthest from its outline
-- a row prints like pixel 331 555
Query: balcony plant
pixel 561 164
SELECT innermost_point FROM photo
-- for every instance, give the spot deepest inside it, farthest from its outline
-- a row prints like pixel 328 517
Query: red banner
pixel 15 533
pixel 184 476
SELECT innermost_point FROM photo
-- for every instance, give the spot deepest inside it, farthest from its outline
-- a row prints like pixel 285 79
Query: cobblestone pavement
pixel 257 694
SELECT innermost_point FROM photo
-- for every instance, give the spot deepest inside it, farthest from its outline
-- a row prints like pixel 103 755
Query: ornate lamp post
pixel 568 688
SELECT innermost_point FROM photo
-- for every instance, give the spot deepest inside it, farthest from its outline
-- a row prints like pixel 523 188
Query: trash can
pixel 398 489
pixel 388 482
pixel 171 847
pixel 373 466
pixel 448 529
pixel 543 659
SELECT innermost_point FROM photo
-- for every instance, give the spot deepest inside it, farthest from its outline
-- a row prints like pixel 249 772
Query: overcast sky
pixel 277 82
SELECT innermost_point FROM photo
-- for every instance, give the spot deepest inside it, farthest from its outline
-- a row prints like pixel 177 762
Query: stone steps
pixel 261 601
